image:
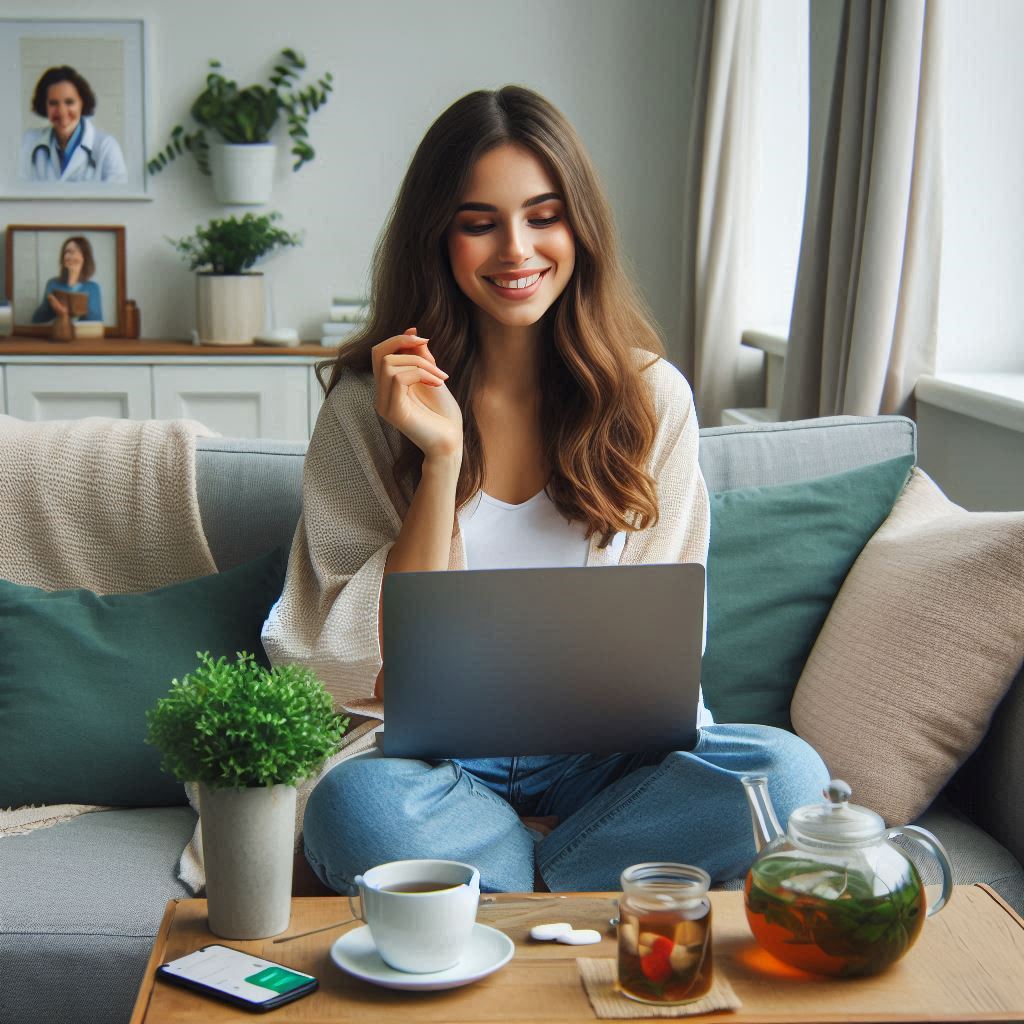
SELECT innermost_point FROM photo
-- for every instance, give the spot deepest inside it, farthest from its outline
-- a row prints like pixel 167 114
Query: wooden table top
pixel 968 965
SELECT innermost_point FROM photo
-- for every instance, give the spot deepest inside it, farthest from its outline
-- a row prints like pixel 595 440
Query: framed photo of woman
pixel 70 270
pixel 72 109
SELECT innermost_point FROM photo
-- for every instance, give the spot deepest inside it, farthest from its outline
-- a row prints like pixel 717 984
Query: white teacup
pixel 420 912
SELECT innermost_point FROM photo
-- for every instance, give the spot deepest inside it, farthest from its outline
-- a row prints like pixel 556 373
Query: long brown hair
pixel 597 415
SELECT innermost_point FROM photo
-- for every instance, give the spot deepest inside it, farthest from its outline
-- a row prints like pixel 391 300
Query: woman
pixel 72 148
pixel 506 405
pixel 77 267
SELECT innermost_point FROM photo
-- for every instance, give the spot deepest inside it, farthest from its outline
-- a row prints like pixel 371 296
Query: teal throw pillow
pixel 777 559
pixel 79 671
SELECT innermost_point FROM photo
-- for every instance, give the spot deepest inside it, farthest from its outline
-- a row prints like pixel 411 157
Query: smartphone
pixel 238 978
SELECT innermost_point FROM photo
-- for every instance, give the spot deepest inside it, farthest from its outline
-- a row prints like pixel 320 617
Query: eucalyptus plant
pixel 234 725
pixel 249 115
pixel 232 245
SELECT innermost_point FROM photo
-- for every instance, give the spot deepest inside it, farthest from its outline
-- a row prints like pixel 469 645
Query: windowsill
pixel 996 398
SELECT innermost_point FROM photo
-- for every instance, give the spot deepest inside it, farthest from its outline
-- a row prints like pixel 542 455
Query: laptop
pixel 498 662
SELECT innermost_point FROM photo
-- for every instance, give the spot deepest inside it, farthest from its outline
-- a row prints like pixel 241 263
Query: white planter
pixel 248 845
pixel 243 175
pixel 229 308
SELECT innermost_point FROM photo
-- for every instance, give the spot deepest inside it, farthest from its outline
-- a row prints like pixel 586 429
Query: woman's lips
pixel 518 294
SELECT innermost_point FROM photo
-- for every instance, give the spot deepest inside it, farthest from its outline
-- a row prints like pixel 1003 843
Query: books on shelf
pixel 347 310
pixel 335 333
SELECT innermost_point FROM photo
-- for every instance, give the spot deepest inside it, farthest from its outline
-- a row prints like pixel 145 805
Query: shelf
pixel 23 346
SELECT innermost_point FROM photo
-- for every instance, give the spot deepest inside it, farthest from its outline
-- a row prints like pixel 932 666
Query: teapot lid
pixel 836 820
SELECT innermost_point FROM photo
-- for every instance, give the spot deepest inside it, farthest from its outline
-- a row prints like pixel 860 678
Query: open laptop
pixel 496 662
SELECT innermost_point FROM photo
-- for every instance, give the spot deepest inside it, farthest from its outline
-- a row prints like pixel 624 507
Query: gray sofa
pixel 81 902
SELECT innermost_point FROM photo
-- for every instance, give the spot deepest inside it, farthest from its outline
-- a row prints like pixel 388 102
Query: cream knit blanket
pixel 107 505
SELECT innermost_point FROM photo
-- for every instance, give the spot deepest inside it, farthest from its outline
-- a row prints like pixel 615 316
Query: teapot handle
pixel 931 845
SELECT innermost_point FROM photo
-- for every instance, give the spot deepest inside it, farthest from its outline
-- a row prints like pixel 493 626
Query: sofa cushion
pixel 78 671
pixel 778 556
pixel 922 643
pixel 79 907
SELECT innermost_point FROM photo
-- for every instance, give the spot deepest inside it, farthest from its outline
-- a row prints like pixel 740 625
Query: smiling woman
pixel 72 148
pixel 506 406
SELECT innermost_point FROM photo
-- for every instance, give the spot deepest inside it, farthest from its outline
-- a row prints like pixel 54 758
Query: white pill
pixel 546 932
pixel 580 937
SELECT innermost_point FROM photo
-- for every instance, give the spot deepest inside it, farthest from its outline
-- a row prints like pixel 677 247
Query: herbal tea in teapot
pixel 829 920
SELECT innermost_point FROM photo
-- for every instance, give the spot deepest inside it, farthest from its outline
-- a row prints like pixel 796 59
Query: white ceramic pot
pixel 248 846
pixel 243 175
pixel 229 308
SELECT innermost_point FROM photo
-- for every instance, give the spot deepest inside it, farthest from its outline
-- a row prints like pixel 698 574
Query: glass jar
pixel 665 933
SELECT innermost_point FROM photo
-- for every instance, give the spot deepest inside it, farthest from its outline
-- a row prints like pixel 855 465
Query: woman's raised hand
pixel 412 397
pixel 60 308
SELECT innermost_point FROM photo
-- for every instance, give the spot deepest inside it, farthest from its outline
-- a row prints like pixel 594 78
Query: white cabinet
pixel 257 395
pixel 236 400
pixel 53 391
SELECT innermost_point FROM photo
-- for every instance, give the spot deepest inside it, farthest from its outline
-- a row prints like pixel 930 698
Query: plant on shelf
pixel 230 305
pixel 247 735
pixel 248 116
pixel 232 245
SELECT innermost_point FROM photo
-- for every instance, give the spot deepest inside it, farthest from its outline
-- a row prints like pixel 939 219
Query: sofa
pixel 81 902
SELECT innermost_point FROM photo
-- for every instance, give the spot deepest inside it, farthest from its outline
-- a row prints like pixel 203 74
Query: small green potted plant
pixel 229 302
pixel 242 163
pixel 247 735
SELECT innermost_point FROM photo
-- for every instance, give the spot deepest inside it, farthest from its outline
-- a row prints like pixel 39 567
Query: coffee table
pixel 968 965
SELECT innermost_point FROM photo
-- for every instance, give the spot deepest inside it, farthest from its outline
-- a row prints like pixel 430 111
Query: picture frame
pixel 100 109
pixel 34 256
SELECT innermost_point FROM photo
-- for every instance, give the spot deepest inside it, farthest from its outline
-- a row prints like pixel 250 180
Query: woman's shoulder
pixel 34 135
pixel 670 390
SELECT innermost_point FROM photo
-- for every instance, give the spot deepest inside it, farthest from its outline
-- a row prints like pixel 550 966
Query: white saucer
pixel 488 950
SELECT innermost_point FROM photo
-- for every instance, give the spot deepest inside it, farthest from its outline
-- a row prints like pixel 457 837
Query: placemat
pixel 600 979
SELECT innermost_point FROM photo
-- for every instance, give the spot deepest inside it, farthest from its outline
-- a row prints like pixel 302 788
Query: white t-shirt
pixel 532 535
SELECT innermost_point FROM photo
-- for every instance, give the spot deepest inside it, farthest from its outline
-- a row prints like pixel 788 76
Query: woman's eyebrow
pixel 487 208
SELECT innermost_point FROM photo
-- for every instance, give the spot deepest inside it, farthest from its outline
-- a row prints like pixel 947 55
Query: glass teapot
pixel 832 894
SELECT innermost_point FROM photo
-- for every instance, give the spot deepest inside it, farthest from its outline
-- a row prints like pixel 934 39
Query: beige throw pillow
pixel 922 642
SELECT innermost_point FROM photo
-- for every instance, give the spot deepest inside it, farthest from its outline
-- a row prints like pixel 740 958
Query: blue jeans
pixel 617 810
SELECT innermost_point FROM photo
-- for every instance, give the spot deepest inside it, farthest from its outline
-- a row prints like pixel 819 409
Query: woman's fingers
pixel 406 359
pixel 408 376
pixel 410 340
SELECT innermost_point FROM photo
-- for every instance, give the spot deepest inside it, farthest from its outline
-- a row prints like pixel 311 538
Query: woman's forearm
pixel 425 540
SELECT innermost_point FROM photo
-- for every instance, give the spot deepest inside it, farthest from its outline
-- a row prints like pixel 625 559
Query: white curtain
pixel 866 302
pixel 719 190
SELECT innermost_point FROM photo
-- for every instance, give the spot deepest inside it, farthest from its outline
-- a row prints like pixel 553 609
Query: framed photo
pixel 72 109
pixel 78 266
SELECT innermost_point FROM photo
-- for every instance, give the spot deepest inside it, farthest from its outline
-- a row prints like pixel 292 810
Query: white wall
pixel 622 72
pixel 981 317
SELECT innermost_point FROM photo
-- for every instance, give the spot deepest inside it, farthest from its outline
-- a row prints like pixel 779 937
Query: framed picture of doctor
pixel 72 109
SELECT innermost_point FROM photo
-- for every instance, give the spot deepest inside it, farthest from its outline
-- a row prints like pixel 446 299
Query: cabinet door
pixel 3 392
pixel 236 401
pixel 52 391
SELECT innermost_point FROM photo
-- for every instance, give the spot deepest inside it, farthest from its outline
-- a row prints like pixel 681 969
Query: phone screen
pixel 238 976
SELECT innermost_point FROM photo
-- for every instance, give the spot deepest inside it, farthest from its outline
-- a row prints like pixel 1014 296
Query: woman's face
pixel 511 248
pixel 63 107
pixel 71 257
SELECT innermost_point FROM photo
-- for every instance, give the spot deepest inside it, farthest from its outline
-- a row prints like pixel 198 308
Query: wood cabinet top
pixel 22 346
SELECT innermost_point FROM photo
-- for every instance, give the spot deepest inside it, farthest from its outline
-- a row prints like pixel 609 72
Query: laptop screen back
pixel 496 662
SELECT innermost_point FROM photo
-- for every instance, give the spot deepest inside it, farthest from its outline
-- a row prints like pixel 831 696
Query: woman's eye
pixel 476 229
pixel 543 222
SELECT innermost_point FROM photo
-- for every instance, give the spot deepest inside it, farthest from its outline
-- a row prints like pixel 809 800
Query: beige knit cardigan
pixel 352 512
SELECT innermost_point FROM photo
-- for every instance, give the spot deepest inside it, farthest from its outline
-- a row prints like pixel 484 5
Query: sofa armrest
pixel 988 786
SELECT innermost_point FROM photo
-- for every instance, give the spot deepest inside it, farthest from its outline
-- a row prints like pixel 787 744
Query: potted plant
pixel 242 164
pixel 229 304
pixel 247 735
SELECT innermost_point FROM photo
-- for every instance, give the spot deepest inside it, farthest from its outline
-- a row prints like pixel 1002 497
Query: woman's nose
pixel 515 245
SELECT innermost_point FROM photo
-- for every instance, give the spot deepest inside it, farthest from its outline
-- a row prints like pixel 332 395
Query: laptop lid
pixel 496 662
